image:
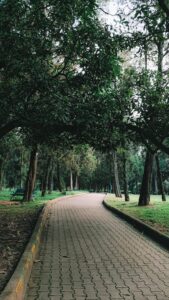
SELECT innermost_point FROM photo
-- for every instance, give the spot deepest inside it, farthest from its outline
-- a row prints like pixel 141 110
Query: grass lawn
pixel 34 205
pixel 156 214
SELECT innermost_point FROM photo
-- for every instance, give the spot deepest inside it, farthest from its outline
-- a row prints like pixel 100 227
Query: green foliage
pixel 141 101
pixel 80 159
pixel 51 54
pixel 164 5
pixel 150 104
pixel 62 86
pixel 101 178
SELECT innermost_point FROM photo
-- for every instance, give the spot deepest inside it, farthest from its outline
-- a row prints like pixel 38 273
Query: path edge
pixel 152 233
pixel 16 287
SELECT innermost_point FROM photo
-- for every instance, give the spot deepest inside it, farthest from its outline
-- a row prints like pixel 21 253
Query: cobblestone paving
pixel 88 254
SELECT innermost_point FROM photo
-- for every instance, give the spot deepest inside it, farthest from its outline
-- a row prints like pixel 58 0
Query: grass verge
pixel 155 215
pixel 34 205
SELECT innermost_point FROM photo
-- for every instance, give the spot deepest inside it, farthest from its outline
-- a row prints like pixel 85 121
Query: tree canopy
pixel 67 79
pixel 52 56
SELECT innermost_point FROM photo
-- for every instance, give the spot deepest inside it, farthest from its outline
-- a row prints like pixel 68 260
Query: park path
pixel 88 253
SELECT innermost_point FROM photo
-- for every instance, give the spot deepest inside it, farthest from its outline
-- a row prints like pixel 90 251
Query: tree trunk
pixel 144 198
pixel 31 177
pixel 50 181
pixel 160 46
pixel 116 183
pixel 154 181
pixel 59 185
pixel 71 180
pixel 22 168
pixel 46 176
pixel 160 181
pixel 126 194
pixel 77 182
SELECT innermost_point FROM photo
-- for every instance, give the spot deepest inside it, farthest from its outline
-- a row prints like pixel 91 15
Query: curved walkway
pixel 88 253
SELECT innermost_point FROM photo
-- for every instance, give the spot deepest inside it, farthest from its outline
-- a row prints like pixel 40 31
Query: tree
pixel 10 159
pixel 125 177
pixel 144 198
pixel 148 16
pixel 116 184
pixel 55 56
pixel 160 181
pixel 87 161
pixel 148 102
pixel 31 176
pixel 101 178
pixel 46 170
pixel 79 160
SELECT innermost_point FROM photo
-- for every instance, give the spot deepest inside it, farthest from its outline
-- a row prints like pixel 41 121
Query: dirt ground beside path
pixel 15 231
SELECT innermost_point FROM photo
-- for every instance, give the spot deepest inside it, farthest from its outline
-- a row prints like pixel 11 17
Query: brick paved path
pixel 88 253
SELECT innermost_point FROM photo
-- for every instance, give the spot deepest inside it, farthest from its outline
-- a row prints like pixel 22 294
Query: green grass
pixel 156 214
pixel 27 207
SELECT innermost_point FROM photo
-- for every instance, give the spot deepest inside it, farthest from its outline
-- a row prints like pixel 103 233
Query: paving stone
pixel 90 254
pixel 33 293
pixel 43 296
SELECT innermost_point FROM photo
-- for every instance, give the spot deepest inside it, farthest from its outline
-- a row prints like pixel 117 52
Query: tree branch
pixel 149 136
pixel 105 12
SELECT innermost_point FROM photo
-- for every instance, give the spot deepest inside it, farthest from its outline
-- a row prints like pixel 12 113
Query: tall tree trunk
pixel 126 193
pixel 111 172
pixel 46 176
pixel 76 182
pixel 116 183
pixel 144 198
pixel 22 168
pixel 59 184
pixel 31 176
pixel 160 181
pixel 154 181
pixel 71 180
pixel 160 46
pixel 50 181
